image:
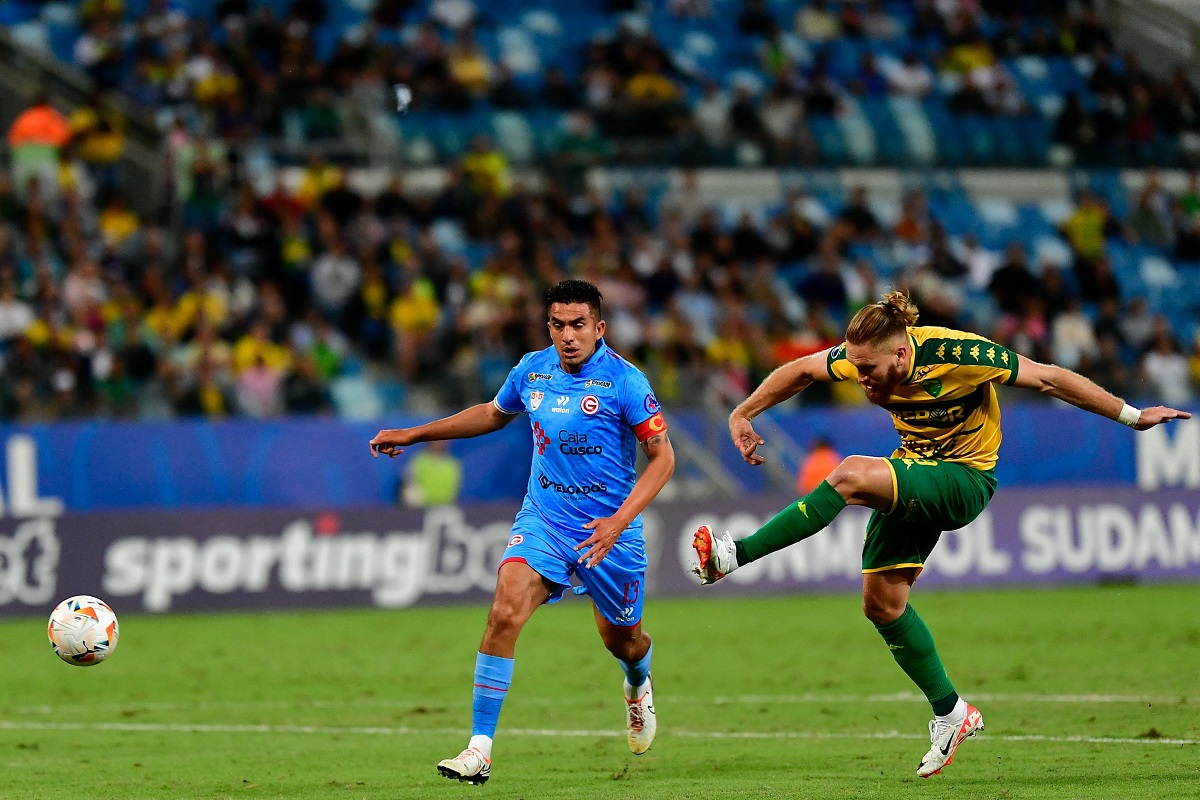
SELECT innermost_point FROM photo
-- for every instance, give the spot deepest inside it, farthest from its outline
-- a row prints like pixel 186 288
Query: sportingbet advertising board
pixel 159 561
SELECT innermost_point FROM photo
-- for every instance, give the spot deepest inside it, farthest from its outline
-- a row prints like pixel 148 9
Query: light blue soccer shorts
pixel 616 585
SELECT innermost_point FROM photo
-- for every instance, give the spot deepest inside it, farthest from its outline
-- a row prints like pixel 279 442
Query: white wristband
pixel 1129 416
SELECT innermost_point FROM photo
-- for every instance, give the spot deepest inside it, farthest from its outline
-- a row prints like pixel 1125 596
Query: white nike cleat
pixel 469 766
pixel 640 722
pixel 718 556
pixel 945 735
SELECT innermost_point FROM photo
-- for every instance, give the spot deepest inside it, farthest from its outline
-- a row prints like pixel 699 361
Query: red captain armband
pixel 651 427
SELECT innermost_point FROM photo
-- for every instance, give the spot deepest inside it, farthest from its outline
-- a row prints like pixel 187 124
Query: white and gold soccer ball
pixel 83 630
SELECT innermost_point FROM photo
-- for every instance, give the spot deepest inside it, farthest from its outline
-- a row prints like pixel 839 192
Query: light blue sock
pixel 493 675
pixel 636 672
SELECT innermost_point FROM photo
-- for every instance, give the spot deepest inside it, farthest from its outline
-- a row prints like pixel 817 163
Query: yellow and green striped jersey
pixel 946 409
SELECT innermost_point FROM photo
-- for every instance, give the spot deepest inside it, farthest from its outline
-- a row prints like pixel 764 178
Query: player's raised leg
pixel 885 603
pixel 858 480
pixel 519 591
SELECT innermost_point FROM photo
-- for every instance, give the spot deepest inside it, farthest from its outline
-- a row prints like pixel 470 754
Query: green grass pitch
pixel 1087 693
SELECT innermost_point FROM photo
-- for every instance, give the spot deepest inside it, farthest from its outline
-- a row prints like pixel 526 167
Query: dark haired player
pixel 588 409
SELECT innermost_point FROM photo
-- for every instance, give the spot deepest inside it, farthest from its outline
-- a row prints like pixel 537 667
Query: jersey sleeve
pixel 639 407
pixel 509 399
pixel 985 361
pixel 840 369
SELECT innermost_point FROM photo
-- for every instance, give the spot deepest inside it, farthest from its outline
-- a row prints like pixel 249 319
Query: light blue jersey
pixel 585 433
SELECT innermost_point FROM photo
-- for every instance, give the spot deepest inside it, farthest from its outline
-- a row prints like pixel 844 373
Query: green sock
pixel 912 647
pixel 795 523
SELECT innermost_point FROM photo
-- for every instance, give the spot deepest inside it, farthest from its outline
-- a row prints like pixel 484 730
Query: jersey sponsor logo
pixel 590 404
pixel 516 540
pixel 933 386
pixel 936 417
pixel 562 405
pixel 563 488
pixel 576 444
pixel 602 384
pixel 651 404
pixel 535 400
pixel 539 376
pixel 540 438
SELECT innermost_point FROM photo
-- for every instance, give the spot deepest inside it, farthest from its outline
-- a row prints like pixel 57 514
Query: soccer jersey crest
pixel 535 400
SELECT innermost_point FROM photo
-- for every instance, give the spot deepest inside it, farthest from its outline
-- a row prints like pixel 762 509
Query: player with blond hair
pixel 939 386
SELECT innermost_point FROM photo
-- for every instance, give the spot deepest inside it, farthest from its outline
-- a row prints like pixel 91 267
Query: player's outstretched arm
pixel 474 421
pixel 783 383
pixel 1077 390
pixel 607 530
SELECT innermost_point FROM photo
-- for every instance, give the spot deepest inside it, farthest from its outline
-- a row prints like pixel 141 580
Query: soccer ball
pixel 83 630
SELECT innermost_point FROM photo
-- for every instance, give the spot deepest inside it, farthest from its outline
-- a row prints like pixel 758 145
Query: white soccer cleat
pixel 469 766
pixel 640 722
pixel 945 736
pixel 718 556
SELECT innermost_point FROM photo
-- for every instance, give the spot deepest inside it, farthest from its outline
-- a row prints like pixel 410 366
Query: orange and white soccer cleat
pixel 640 722
pixel 718 556
pixel 469 766
pixel 946 734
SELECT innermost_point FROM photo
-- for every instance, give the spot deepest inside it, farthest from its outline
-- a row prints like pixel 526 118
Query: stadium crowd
pixel 253 303
pixel 241 71
pixel 264 300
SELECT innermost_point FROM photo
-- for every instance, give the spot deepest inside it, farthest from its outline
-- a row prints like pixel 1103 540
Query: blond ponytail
pixel 879 322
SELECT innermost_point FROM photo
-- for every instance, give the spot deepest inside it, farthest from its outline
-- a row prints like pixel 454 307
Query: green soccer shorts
pixel 931 497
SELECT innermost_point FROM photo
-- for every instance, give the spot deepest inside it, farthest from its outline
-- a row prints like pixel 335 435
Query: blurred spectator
pixel 486 167
pixel 98 131
pixel 336 276
pixel 825 286
pixel 205 395
pixel 1187 242
pixel 1147 223
pixel 712 116
pixel 1075 129
pixel 36 140
pixel 16 316
pixel 816 23
pixel 1013 281
pixel 755 19
pixel 259 390
pixel 859 216
pixel 912 78
pixel 820 460
pixel 1137 325
pixel 980 262
pixel 559 91
pixel 1072 339
pixel 433 477
pixel 454 14
pixel 1166 369
pixel 1087 226
pixel 1109 370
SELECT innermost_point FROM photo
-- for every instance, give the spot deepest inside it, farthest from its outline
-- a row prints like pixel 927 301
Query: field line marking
pixel 983 697
pixel 742 699
pixel 153 727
